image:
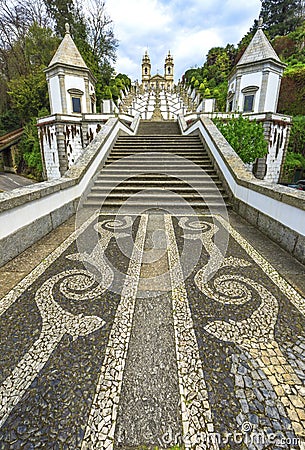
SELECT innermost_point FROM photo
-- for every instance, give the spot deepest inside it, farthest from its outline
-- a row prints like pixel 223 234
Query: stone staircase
pixel 157 169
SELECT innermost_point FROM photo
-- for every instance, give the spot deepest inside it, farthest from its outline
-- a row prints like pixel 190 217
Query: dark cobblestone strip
pixel 99 434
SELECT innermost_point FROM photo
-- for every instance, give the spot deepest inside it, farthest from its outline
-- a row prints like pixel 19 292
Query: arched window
pixel 145 70
pixel 169 70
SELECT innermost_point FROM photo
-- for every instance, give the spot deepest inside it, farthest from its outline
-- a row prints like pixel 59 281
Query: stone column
pixel 63 96
pixel 87 94
pixel 263 94
pixel 61 146
pixel 237 90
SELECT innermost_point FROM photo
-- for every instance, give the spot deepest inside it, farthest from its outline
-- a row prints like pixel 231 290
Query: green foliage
pixel 292 92
pixel 31 151
pixel 106 93
pixel 292 161
pixel 40 45
pixel 62 11
pixel 297 135
pixel 115 86
pixel 245 136
pixel 9 122
pixel 281 17
pixel 29 94
pixel 210 80
pixel 124 79
pixel 213 75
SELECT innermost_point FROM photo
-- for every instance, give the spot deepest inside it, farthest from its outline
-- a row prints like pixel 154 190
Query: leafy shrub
pixel 292 161
pixel 9 122
pixel 31 151
pixel 297 135
pixel 292 92
pixel 245 136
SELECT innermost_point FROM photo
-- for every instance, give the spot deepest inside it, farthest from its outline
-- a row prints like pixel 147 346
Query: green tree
pixel 31 150
pixel 125 80
pixel 297 136
pixel 61 12
pixel 29 94
pixel 245 136
pixel 292 161
pixel 281 16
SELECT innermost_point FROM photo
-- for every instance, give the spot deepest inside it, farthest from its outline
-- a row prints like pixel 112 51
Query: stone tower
pixel 255 81
pixel 169 71
pixel 70 127
pixel 146 70
pixel 71 84
pixel 254 86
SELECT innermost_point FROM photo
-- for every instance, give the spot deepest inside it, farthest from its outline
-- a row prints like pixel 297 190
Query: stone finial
pixel 67 27
pixel 260 22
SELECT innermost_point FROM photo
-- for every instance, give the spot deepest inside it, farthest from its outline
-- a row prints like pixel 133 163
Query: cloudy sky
pixel 188 28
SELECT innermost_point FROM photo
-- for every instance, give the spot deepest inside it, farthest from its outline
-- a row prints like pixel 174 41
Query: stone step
pixel 149 160
pixel 193 139
pixel 132 164
pixel 153 127
pixel 109 170
pixel 187 177
pixel 184 153
pixel 157 155
pixel 188 174
pixel 152 197
pixel 134 203
pixel 160 138
pixel 203 182
pixel 180 145
pixel 101 190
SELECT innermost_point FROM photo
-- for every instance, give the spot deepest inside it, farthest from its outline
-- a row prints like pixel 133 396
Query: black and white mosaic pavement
pixel 211 358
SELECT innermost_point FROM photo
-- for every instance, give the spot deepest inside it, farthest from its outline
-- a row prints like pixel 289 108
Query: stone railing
pixel 276 210
pixel 29 213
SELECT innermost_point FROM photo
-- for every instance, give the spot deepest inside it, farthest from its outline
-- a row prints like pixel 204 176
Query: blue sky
pixel 187 28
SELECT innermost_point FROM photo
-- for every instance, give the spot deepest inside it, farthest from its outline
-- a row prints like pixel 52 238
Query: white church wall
pixel 74 82
pixel 55 99
pixel 250 79
pixel 277 144
pixel 73 143
pixel 50 152
pixel 272 92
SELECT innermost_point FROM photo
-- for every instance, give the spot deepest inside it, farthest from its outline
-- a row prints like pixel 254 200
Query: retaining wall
pixel 29 213
pixel 276 210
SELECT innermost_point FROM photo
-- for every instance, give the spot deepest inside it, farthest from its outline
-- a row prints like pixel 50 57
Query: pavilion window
pixel 249 103
pixel 76 105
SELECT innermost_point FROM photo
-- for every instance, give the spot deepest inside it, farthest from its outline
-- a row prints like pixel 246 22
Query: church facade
pixel 153 82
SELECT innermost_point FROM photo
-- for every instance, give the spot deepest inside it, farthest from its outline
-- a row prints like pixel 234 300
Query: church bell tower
pixel 146 70
pixel 169 71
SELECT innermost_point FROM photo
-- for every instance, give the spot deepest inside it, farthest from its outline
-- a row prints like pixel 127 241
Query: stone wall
pixel 63 139
pixel 276 210
pixel 27 214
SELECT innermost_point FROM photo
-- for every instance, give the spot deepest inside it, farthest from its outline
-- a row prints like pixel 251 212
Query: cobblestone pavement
pixel 153 331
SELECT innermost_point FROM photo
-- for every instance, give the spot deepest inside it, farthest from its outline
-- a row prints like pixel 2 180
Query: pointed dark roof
pixel 67 53
pixel 259 49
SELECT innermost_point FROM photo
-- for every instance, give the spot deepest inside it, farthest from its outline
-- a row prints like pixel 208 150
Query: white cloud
pixel 188 29
pixel 126 65
pixel 134 18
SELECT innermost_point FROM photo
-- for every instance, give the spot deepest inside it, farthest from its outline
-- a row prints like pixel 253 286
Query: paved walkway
pixel 10 181
pixel 153 331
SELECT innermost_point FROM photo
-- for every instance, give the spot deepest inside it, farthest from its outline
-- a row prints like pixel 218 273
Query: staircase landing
pixel 143 360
